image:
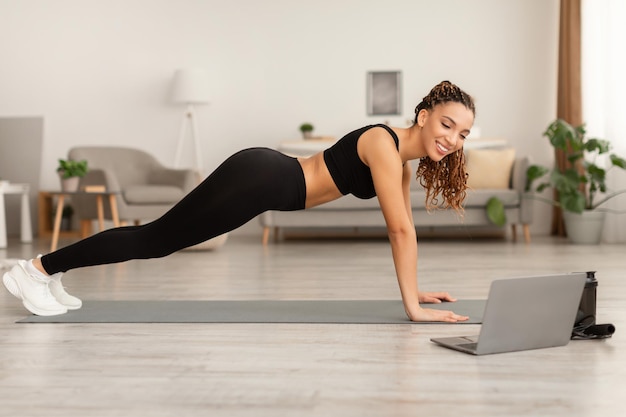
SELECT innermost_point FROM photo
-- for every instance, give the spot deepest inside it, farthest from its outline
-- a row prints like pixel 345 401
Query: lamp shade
pixel 190 86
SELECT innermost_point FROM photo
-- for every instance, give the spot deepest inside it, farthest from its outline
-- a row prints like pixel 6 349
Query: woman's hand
pixel 434 297
pixel 429 314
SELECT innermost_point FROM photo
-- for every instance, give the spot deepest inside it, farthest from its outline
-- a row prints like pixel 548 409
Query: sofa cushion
pixel 479 198
pixel 474 198
pixel 489 168
pixel 152 194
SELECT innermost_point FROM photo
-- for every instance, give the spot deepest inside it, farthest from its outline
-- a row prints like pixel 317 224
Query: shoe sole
pixel 14 288
pixel 71 306
pixel 11 285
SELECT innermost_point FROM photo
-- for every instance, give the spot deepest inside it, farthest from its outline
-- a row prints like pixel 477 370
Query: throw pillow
pixel 489 168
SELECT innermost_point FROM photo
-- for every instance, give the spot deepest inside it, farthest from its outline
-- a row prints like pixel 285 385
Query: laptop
pixel 525 313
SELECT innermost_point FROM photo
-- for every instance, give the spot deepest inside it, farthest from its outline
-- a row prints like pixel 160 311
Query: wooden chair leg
pixel 514 232
pixel 266 235
pixel 86 228
pixel 526 233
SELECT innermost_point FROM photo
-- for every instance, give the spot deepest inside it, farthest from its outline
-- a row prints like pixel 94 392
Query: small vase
pixel 70 185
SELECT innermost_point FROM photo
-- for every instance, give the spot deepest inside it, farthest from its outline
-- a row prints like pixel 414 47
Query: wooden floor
pixel 309 370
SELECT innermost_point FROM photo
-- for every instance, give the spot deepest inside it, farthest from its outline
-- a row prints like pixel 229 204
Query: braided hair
pixel 447 178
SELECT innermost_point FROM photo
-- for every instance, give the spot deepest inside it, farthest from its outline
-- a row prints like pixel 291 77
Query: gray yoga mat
pixel 252 311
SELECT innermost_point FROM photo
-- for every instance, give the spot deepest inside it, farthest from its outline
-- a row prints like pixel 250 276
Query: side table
pixel 111 195
pixel 26 234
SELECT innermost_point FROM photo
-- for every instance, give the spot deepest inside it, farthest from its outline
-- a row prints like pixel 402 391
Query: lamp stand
pixel 189 118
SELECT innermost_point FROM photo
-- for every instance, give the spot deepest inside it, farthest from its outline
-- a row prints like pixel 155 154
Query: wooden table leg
pixel 526 229
pixel 100 208
pixel 57 223
pixel 85 228
pixel 114 214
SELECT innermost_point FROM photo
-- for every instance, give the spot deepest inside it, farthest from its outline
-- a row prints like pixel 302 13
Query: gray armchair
pixel 147 189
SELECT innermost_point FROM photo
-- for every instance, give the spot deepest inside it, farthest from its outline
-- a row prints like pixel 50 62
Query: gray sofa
pixel 351 212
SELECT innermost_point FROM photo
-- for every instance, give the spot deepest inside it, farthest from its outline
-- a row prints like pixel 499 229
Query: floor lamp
pixel 191 89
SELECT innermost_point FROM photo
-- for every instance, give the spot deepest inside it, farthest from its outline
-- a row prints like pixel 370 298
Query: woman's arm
pixel 377 149
pixel 407 178
pixel 407 175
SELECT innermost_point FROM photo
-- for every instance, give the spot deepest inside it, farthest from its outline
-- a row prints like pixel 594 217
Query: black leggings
pixel 245 185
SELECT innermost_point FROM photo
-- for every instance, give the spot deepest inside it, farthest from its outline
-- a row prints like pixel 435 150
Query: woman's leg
pixel 245 185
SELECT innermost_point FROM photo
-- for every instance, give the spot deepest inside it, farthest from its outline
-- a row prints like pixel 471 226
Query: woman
pixel 371 161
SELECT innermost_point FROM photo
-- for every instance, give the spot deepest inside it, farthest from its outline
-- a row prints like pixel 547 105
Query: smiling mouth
pixel 442 148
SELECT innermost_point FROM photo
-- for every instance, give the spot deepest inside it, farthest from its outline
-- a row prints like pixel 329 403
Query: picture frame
pixel 384 93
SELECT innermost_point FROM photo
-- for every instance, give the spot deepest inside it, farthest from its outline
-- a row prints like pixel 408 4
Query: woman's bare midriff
pixel 320 187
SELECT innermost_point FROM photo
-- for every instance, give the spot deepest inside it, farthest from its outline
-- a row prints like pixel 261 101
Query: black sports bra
pixel 349 173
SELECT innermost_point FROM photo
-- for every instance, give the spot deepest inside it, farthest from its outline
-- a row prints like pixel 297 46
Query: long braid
pixel 446 178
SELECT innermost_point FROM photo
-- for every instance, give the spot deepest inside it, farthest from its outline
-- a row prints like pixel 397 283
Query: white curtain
pixel 603 35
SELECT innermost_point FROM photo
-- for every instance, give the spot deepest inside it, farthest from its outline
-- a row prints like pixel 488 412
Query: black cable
pixel 586 329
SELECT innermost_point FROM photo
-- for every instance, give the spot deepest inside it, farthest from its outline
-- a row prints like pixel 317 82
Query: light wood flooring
pixel 309 369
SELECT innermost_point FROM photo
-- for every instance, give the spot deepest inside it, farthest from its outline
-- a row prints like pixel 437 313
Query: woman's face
pixel 444 128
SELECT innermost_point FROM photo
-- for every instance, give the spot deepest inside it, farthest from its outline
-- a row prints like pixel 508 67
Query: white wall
pixel 100 71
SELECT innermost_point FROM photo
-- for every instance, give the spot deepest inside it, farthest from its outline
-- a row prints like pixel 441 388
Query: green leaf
pixel 559 133
pixel 566 135
pixel 542 186
pixel 599 145
pixel 306 127
pixel 70 168
pixel 567 181
pixel 532 173
pixel 495 211
pixel 574 202
pixel 596 173
pixel 573 157
pixel 618 162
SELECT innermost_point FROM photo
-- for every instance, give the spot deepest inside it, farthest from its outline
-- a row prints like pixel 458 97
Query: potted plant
pixel 582 187
pixel 307 130
pixel 70 173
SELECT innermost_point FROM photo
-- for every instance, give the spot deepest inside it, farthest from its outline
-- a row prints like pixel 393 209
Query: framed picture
pixel 384 93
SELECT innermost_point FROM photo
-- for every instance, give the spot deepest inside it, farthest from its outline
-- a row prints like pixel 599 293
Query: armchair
pixel 147 189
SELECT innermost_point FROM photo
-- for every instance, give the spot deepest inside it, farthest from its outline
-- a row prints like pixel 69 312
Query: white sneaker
pixel 33 291
pixel 62 296
pixel 57 290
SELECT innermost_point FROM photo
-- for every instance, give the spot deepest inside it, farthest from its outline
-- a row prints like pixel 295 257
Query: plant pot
pixel 70 185
pixel 585 228
pixel 307 135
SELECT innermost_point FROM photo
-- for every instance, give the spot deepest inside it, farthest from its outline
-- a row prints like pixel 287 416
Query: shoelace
pixel 61 286
pixel 45 290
